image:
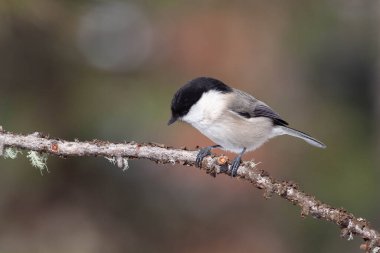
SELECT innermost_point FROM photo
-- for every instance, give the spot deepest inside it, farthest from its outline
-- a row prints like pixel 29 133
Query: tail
pixel 301 135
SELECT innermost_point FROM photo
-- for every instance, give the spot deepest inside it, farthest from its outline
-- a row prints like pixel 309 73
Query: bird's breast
pixel 234 132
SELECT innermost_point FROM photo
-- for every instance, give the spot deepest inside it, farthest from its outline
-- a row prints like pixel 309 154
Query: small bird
pixel 233 119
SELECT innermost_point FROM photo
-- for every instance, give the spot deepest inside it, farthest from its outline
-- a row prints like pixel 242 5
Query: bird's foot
pixel 203 152
pixel 201 155
pixel 235 165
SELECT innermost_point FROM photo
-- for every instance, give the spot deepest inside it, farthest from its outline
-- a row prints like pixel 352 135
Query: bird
pixel 233 119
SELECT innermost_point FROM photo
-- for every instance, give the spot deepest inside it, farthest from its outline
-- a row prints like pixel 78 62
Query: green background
pixel 107 70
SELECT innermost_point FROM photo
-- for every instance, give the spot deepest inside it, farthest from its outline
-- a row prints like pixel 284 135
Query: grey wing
pixel 249 107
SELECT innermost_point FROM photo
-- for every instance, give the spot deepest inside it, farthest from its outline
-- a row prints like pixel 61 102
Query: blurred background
pixel 108 69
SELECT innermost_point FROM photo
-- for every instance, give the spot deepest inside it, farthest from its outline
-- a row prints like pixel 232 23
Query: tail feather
pixel 303 136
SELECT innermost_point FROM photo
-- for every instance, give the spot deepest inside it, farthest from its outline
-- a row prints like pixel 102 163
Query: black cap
pixel 191 92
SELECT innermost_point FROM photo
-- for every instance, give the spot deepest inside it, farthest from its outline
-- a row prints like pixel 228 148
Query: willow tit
pixel 233 119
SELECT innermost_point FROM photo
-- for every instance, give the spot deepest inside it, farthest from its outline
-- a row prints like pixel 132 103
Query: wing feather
pixel 249 107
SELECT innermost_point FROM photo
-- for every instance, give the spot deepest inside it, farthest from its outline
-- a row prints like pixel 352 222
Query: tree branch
pixel 119 153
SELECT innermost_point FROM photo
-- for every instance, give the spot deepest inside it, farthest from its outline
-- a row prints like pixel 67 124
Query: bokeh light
pixel 108 69
pixel 115 36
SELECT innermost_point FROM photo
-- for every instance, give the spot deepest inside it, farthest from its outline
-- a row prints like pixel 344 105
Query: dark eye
pixel 245 114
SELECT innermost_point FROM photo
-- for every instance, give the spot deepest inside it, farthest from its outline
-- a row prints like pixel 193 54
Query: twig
pixel 120 153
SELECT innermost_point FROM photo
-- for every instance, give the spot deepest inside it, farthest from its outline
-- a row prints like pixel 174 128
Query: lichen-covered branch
pixel 119 153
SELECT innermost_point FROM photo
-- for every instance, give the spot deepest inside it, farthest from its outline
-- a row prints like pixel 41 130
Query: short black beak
pixel 172 120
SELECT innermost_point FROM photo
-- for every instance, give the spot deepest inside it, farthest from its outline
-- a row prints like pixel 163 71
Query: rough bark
pixel 349 224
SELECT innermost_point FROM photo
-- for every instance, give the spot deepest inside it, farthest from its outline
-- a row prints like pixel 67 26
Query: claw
pixel 203 152
pixel 235 166
pixel 236 163
pixel 201 155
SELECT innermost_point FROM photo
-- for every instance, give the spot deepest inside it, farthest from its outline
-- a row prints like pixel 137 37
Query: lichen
pixel 11 153
pixel 125 164
pixel 121 162
pixel 111 160
pixel 38 160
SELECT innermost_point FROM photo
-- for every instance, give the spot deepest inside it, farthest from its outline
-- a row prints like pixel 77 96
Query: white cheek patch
pixel 208 108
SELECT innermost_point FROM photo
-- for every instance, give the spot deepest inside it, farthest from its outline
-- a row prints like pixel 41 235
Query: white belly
pixel 211 116
pixel 234 133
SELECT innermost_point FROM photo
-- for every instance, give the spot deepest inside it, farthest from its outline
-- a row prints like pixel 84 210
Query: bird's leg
pixel 236 163
pixel 203 152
